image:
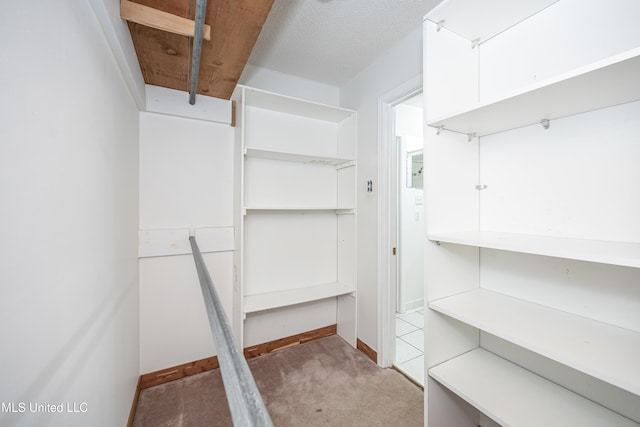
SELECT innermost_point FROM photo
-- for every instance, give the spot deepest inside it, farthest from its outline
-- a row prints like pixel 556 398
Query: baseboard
pixel 282 343
pixel 192 368
pixel 134 405
pixel 368 351
pixel 176 372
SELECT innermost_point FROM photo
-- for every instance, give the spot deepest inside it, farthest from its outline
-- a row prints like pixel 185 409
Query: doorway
pixel 409 232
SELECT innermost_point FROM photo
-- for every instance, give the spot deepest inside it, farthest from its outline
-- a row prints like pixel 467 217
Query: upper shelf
pixel 604 351
pixel 606 83
pixel 614 253
pixel 469 18
pixel 299 107
pixel 260 153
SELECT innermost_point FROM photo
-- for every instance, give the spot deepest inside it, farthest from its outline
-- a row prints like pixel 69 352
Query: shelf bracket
pixel 470 136
pixel 545 123
pixel 440 25
pixel 439 129
pixel 475 43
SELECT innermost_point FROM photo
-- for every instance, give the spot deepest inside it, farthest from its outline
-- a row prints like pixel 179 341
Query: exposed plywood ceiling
pixel 165 57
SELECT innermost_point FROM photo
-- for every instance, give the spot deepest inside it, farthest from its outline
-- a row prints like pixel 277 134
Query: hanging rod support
pixel 440 25
pixel 201 9
pixel 470 136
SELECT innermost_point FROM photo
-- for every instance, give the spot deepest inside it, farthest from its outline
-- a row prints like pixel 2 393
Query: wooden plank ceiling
pixel 165 57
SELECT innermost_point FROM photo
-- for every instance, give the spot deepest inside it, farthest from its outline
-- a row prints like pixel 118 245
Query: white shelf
pixel 473 20
pixel 299 209
pixel 288 105
pixel 609 82
pixel 614 253
pixel 513 396
pixel 267 301
pixel 598 349
pixel 294 157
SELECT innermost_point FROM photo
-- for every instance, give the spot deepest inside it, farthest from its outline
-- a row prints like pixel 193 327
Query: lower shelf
pixel 267 301
pixel 513 396
pixel 604 351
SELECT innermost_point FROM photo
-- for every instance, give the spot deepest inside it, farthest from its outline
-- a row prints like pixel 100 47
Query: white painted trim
pixel 125 56
pixel 386 239
pixel 175 241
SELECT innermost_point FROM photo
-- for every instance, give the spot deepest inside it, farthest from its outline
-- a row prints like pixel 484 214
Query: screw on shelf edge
pixel 545 123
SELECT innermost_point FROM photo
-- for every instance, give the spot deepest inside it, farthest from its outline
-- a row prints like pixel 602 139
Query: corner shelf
pixel 298 107
pixel 277 299
pixel 485 380
pixel 607 252
pixel 604 351
pixel 260 153
pixel 606 83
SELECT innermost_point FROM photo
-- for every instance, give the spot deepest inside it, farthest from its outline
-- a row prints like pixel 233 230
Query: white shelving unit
pixel 484 379
pixel 295 210
pixel 531 278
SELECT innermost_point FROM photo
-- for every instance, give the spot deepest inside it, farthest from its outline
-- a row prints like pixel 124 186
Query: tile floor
pixel 410 344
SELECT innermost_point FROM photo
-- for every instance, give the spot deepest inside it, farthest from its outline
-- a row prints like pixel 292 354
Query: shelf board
pixel 473 20
pixel 299 107
pixel 299 209
pixel 513 396
pixel 615 253
pixel 294 157
pixel 604 351
pixel 606 83
pixel 267 301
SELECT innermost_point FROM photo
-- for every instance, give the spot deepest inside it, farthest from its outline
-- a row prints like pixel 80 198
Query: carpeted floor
pixel 320 383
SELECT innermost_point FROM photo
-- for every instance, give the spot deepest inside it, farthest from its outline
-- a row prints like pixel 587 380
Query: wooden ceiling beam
pixel 165 57
pixel 158 19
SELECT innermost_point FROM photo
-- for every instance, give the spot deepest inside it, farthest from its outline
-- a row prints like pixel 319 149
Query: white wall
pixel 395 67
pixel 411 218
pixel 186 181
pixel 68 218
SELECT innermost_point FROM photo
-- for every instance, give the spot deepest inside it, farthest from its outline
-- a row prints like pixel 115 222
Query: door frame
pixel 387 215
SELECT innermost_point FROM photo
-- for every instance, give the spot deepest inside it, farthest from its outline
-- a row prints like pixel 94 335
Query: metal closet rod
pixel 245 401
pixel 201 9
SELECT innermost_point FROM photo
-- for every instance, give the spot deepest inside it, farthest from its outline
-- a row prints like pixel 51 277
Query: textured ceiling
pixel 330 41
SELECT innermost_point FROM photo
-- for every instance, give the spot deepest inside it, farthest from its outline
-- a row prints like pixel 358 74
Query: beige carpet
pixel 320 383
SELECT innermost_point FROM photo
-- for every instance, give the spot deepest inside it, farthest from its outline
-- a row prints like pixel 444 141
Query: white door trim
pixel 387 235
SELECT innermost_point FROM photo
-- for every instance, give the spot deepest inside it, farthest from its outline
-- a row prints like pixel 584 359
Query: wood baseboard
pixel 176 372
pixel 134 405
pixel 187 369
pixel 368 351
pixel 282 343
